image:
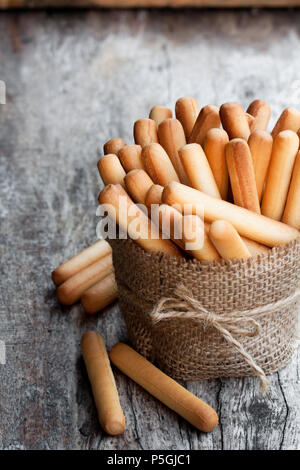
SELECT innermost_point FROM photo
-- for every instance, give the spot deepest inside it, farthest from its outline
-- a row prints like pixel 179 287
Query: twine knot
pixel 237 323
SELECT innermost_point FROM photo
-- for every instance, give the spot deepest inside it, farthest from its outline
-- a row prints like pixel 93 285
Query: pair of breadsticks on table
pixel 135 366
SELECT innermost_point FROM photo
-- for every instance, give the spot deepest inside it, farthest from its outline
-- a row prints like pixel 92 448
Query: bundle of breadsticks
pixel 219 162
pixel 245 180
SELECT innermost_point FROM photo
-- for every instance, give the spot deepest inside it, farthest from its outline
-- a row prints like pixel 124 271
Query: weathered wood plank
pixel 73 81
pixel 5 4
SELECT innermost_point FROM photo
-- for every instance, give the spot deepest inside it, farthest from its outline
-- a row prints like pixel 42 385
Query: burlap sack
pixel 200 320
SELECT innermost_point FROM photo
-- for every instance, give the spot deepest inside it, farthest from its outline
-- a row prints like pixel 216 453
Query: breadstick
pixel 288 120
pixel 260 144
pixel 260 110
pixel 214 148
pixel 241 173
pixel 188 231
pixel 162 387
pixel 83 259
pixel 234 121
pixel 154 195
pixel 250 120
pixel 72 289
pixel 197 169
pixel 291 215
pixel 227 240
pixel 100 295
pixel 145 132
pixel 111 170
pixel 113 146
pixel 284 152
pixel 298 134
pixel 254 247
pixel 249 224
pixel 138 182
pixel 131 157
pixel 133 220
pixel 158 164
pixel 172 138
pixel 103 384
pixel 187 110
pixel 208 118
pixel 159 114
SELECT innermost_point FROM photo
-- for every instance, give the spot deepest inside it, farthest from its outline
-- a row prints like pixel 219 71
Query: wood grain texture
pixel 5 4
pixel 73 82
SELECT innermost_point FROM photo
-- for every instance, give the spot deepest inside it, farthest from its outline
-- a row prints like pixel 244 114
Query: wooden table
pixel 74 80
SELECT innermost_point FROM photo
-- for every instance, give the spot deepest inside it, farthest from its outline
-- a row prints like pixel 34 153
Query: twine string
pixel 243 323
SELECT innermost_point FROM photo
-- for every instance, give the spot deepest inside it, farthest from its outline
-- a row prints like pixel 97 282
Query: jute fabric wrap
pixel 199 320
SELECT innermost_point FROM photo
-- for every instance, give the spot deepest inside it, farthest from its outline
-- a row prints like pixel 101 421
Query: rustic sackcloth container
pixel 199 320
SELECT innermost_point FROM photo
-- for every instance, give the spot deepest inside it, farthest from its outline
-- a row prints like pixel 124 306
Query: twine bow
pixel 242 323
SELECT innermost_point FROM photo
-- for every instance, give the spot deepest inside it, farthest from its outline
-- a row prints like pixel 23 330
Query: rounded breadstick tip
pixel 110 189
pixel 234 120
pixel 114 427
pixel 220 228
pixel 211 420
pixel 113 145
pixel 287 134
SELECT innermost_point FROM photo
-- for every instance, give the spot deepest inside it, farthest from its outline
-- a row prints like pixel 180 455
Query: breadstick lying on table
pixel 284 152
pixel 158 164
pixel 113 146
pixel 261 112
pixel 187 110
pixel 172 138
pixel 154 195
pixel 227 240
pixel 241 174
pixel 100 295
pixel 111 170
pixel 197 169
pixel 208 118
pixel 103 384
pixel 82 260
pixel 214 149
pixel 234 121
pixel 130 157
pixel 260 144
pixel 133 220
pixel 138 182
pixel 288 120
pixel 72 289
pixel 145 132
pixel 249 224
pixel 291 215
pixel 162 387
pixel 159 114
pixel 188 231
